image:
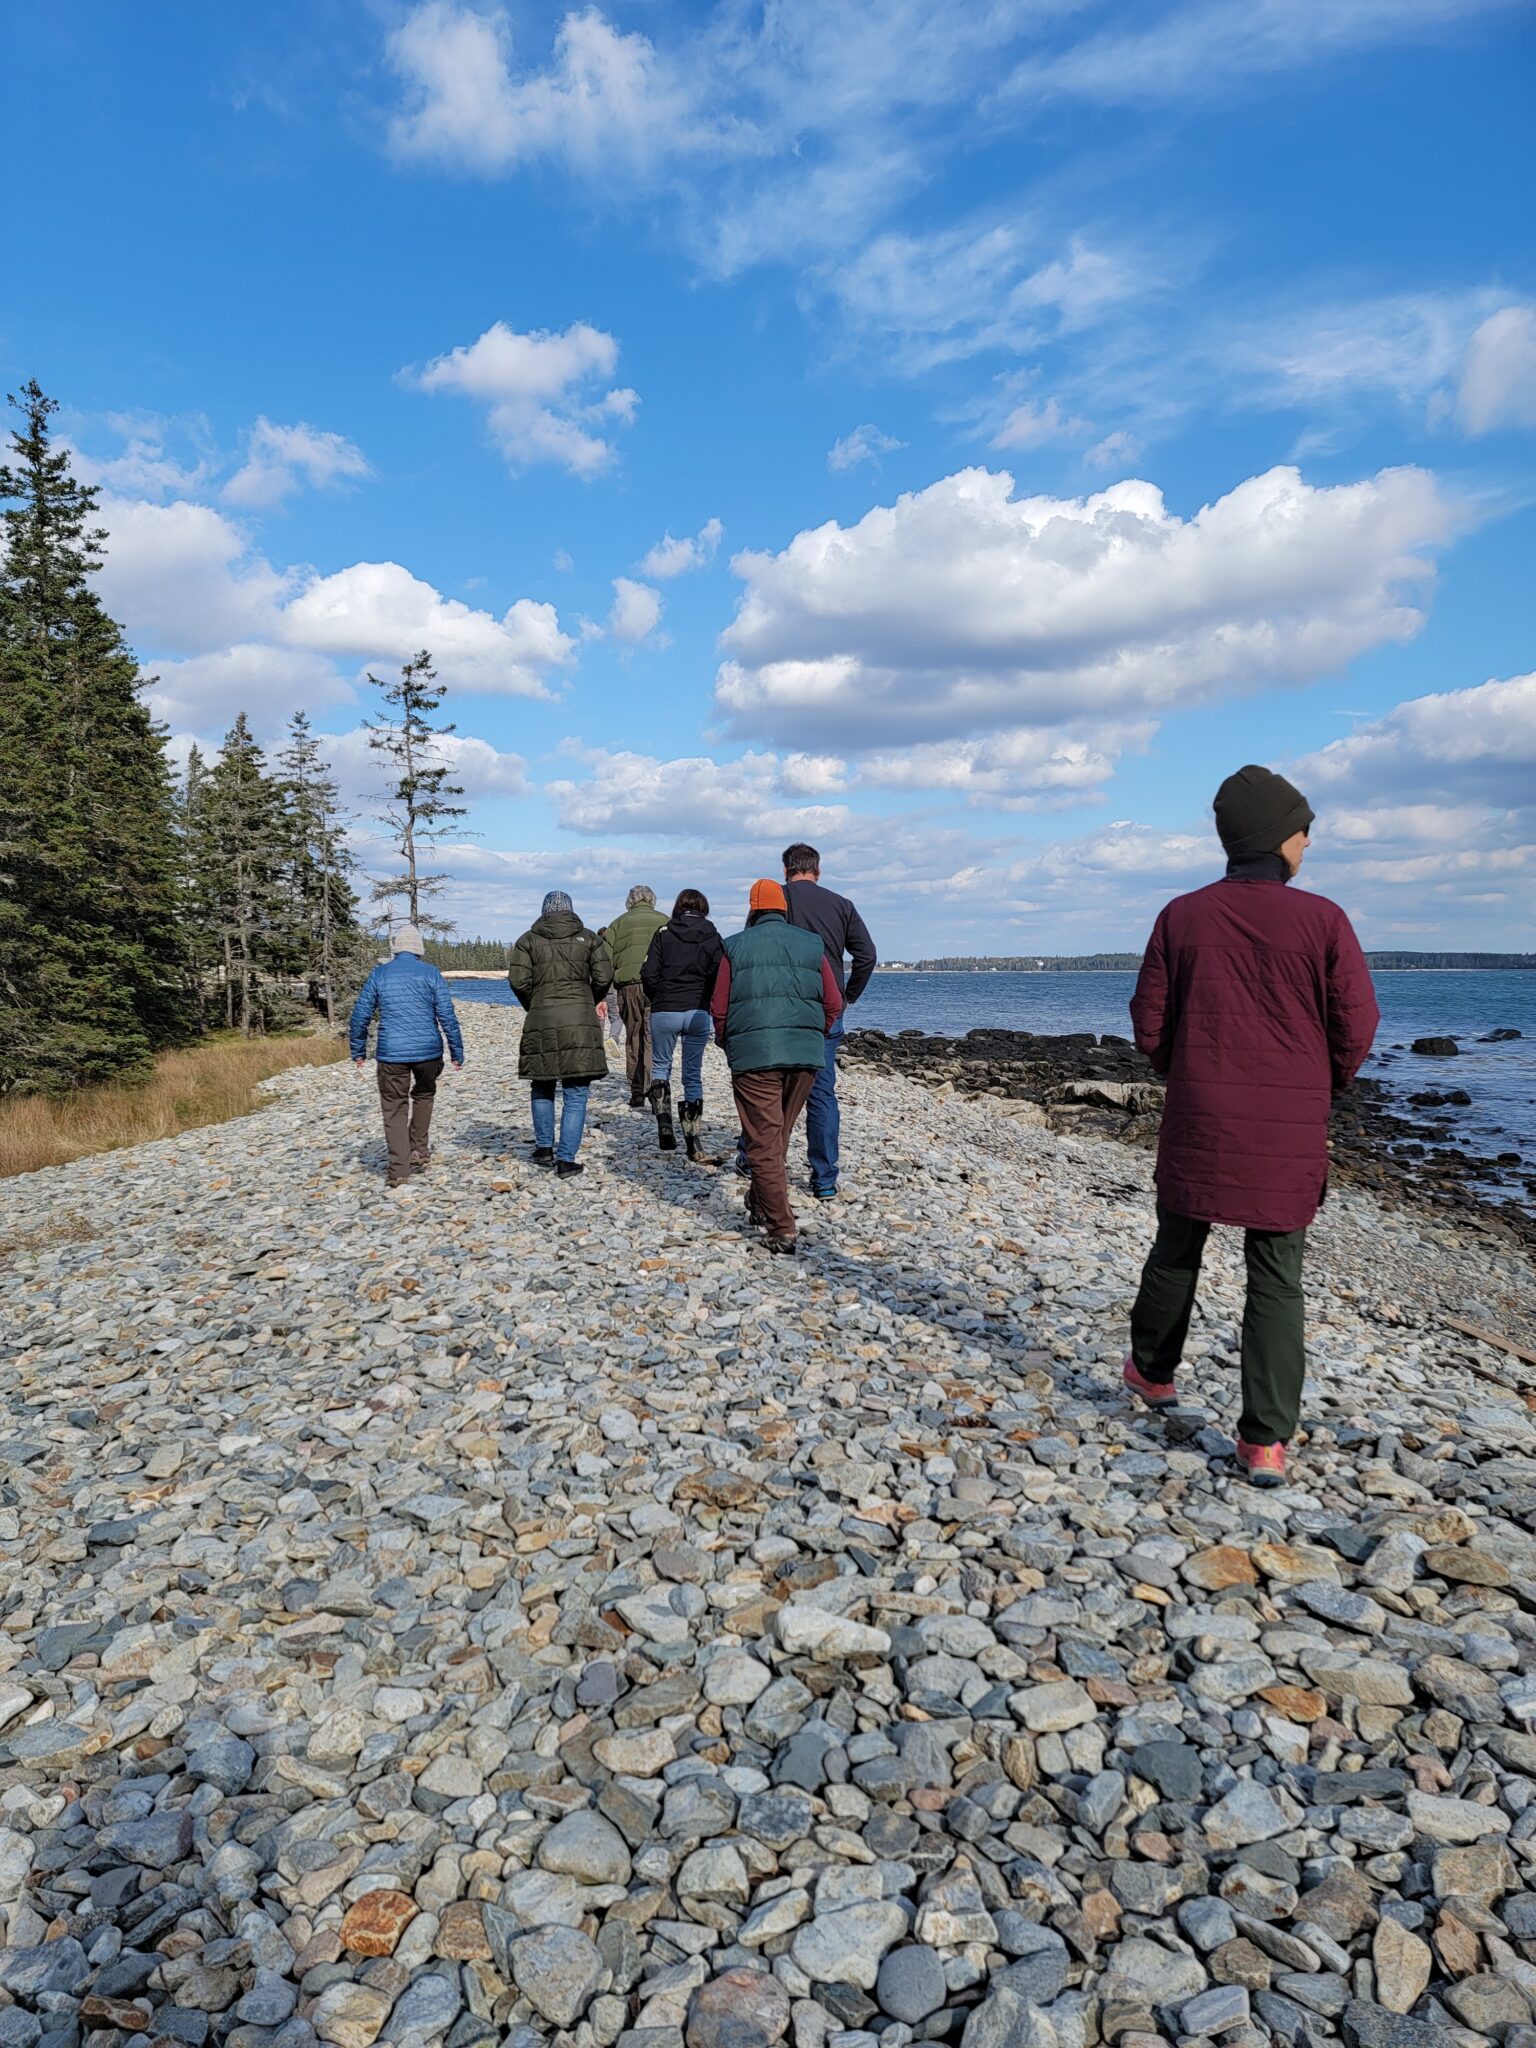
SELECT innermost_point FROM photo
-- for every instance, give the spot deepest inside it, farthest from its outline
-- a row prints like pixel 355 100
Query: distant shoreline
pixel 1512 963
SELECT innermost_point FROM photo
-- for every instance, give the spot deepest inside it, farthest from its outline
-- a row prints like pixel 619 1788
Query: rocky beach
pixel 528 1613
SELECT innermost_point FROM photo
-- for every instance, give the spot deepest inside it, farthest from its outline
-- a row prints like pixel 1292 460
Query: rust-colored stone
pixel 373 1925
pixel 1295 1702
pixel 1224 1565
pixel 1101 1914
pixel 1459 1950
pixel 461 1933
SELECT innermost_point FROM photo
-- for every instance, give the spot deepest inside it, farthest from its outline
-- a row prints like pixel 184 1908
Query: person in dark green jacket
pixel 629 940
pixel 775 999
pixel 560 972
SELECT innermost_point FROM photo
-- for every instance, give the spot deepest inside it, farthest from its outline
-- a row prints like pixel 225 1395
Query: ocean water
pixel 1464 1005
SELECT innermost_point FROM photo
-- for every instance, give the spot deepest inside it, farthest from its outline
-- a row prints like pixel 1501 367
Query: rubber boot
pixel 661 1103
pixel 691 1117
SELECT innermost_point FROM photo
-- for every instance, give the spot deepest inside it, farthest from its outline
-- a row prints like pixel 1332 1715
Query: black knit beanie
pixel 1257 810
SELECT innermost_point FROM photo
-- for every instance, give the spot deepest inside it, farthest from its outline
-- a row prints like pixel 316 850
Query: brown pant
pixel 407 1089
pixel 769 1105
pixel 636 1014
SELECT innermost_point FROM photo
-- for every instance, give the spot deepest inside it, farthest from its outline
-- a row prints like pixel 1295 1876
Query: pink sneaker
pixel 1263 1463
pixel 1156 1393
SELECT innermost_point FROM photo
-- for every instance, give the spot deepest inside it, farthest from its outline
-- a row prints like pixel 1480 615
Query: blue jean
pixel 694 1028
pixel 573 1116
pixel 823 1120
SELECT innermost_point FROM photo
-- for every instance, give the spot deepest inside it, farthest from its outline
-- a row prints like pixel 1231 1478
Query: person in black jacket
pixel 678 977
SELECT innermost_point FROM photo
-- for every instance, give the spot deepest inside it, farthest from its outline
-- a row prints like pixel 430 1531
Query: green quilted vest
pixel 775 1018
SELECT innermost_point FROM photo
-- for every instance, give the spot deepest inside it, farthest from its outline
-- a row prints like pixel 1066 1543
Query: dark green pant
pixel 1274 1348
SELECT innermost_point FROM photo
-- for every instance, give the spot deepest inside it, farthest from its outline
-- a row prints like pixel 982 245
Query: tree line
pixel 139 909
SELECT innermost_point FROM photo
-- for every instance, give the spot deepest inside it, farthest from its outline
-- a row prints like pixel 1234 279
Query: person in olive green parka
pixel 629 940
pixel 560 972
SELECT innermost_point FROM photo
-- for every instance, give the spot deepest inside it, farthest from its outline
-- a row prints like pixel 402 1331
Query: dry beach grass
pixel 206 1084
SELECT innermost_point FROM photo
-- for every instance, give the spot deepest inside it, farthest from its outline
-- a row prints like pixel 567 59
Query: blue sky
pixel 956 434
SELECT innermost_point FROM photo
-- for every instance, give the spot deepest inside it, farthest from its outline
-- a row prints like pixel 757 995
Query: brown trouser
pixel 636 1014
pixel 407 1089
pixel 769 1105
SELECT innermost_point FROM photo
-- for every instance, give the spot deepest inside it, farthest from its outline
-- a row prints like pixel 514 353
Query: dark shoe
pixel 743 1167
pixel 783 1247
pixel 566 1167
pixel 691 1116
pixel 825 1194
pixel 637 1098
pixel 754 1213
pixel 420 1161
pixel 661 1103
pixel 543 1155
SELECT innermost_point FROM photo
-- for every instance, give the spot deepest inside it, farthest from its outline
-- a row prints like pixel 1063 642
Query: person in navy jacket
pixel 416 1015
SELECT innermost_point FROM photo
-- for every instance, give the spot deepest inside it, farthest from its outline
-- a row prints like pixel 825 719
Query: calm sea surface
pixel 1501 1079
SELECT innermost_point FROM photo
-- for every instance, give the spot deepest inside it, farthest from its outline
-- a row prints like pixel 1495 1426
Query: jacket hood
pixel 559 924
pixel 689 924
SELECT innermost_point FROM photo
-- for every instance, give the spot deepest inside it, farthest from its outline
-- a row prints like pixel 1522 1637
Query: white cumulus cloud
pixel 279 458
pixel 1498 378
pixel 636 611
pixel 541 393
pixel 864 444
pixel 963 609
pixel 605 99
pixel 672 557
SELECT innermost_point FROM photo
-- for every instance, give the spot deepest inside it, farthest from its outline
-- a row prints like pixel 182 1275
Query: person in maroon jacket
pixel 1254 1000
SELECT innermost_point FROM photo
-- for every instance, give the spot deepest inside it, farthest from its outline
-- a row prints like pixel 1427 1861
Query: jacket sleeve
pixel 520 972
pixel 720 997
pixel 1152 1007
pixel 600 968
pixel 1353 1014
pixel 860 948
pixel 447 1019
pixel 362 1016
pixel 651 966
pixel 831 994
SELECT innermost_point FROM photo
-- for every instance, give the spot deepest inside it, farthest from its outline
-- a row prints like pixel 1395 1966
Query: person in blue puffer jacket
pixel 416 1014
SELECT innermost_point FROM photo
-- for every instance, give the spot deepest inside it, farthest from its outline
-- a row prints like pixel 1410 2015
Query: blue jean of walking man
pixel 573 1117
pixel 824 1119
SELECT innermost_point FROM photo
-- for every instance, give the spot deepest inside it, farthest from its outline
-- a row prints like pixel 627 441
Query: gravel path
pixel 530 1611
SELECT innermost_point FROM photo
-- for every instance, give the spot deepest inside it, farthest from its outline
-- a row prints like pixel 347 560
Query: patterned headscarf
pixel 557 900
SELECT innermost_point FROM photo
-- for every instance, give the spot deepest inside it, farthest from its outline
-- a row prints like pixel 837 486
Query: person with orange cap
pixel 775 999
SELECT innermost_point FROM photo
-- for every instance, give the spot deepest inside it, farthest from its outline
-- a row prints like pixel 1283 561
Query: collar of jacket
pixel 559 924
pixel 1264 867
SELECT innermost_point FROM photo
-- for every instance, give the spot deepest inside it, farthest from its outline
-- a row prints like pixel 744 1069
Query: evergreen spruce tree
pixel 246 847
pixel 322 905
pixel 90 971
pixel 418 811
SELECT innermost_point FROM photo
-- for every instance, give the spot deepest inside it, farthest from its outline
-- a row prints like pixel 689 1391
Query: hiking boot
pixel 1264 1464
pixel 543 1155
pixel 783 1247
pixel 1156 1393
pixel 420 1161
pixel 661 1103
pixel 825 1194
pixel 564 1168
pixel 637 1097
pixel 691 1116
